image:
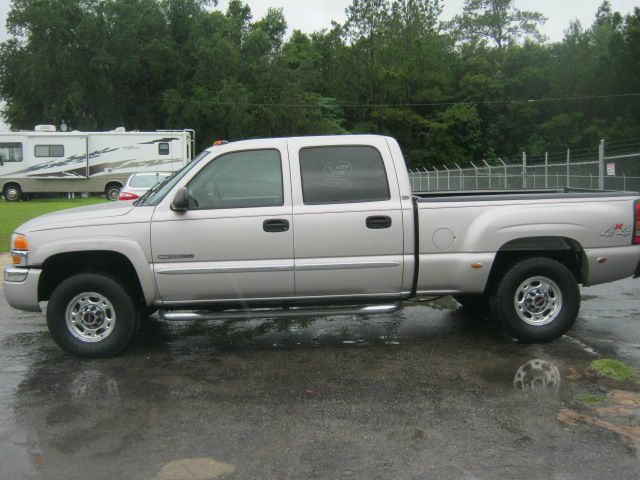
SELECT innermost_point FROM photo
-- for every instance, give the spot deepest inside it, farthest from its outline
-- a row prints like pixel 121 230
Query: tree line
pixel 485 84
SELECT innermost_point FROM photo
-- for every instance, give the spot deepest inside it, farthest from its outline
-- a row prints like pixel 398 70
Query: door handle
pixel 275 225
pixel 378 221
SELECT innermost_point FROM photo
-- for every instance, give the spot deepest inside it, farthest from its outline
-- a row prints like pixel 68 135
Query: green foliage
pixel 479 87
pixel 611 368
pixel 590 399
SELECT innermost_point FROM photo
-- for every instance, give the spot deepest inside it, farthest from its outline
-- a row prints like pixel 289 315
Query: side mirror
pixel 180 201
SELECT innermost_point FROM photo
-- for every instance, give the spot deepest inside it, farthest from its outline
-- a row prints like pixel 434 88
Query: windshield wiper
pixel 155 188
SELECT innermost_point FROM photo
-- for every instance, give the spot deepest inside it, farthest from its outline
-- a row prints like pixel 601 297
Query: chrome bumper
pixel 20 286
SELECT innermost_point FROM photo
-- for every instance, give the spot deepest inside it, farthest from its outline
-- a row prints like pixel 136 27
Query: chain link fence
pixel 618 169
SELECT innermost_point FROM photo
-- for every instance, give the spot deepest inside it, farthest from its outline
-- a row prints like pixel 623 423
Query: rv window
pixel 163 148
pixel 49 151
pixel 11 152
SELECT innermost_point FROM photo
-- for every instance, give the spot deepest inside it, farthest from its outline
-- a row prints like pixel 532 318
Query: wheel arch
pixel 10 183
pixel 60 266
pixel 565 250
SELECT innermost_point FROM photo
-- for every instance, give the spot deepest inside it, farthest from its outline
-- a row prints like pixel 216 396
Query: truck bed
pixel 462 232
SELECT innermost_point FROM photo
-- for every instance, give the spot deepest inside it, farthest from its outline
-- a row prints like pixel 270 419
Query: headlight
pixel 19 250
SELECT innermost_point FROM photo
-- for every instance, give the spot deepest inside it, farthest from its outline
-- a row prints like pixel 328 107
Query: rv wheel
pixel 112 191
pixel 12 193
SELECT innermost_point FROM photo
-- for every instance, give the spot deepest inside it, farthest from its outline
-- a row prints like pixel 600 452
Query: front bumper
pixel 21 287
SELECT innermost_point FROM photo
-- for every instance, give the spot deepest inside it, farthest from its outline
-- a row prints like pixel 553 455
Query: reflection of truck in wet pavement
pixel 298 226
pixel 47 161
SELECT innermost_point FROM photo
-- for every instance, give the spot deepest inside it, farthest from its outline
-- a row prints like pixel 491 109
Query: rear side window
pixel 346 174
pixel 10 152
pixel 49 151
pixel 146 181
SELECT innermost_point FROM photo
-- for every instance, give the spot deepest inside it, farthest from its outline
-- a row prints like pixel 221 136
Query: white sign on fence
pixel 611 168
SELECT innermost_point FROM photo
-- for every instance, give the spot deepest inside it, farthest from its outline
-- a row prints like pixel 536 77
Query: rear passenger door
pixel 348 234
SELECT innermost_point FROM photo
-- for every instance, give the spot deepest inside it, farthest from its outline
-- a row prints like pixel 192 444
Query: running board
pixel 277 313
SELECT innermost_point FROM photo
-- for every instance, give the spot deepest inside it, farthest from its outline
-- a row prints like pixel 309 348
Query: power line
pixel 389 105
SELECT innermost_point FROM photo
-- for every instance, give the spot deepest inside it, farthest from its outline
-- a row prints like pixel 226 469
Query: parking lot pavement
pixel 429 392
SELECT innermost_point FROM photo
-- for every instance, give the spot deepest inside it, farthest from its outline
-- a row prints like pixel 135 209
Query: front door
pixel 236 239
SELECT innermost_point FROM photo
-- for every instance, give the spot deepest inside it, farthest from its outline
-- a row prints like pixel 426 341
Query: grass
pixel 590 399
pixel 13 214
pixel 615 369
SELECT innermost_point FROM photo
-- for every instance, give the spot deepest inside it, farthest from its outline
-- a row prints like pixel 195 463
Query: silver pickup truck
pixel 312 225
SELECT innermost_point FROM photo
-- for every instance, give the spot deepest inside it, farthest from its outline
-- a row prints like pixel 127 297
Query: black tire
pixel 548 299
pixel 12 193
pixel 477 305
pixel 112 192
pixel 118 307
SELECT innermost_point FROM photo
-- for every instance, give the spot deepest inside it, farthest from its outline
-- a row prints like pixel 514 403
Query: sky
pixel 312 15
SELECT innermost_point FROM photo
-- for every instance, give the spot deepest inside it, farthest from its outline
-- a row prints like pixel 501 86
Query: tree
pixel 496 21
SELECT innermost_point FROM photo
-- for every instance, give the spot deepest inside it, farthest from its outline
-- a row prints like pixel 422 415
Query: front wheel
pixel 91 315
pixel 537 300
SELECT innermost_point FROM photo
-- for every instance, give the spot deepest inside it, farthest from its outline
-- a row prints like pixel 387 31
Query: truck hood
pixel 78 216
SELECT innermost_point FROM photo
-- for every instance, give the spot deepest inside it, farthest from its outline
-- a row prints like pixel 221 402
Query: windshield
pixel 147 180
pixel 159 191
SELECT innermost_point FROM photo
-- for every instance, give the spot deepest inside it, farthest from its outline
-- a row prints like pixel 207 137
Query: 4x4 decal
pixel 617 229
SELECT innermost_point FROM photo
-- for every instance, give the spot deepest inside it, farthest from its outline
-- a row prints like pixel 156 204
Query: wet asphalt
pixel 426 393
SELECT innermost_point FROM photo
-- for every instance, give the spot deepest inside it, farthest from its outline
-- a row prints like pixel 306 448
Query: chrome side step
pixel 277 312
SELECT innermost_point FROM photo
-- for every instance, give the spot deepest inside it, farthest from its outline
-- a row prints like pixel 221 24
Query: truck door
pixel 235 242
pixel 348 237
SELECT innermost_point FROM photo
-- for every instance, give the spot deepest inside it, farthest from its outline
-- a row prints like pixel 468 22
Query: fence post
pixel 437 179
pixel 448 177
pixel 505 172
pixel 476 170
pixel 524 169
pixel 489 167
pixel 601 165
pixel 546 169
pixel 568 168
pixel 461 185
pixel 428 178
pixel 624 182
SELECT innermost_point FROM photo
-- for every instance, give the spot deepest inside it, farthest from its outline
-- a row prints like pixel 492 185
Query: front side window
pixel 252 178
pixel 10 152
pixel 49 151
pixel 344 174
pixel 163 148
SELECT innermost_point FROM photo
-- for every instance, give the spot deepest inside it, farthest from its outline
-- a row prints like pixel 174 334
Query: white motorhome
pixel 47 161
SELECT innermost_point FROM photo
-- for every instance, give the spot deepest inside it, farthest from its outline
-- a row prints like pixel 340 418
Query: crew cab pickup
pixel 298 226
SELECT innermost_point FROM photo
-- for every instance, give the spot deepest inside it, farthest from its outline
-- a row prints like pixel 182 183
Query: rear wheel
pixel 12 193
pixel 537 300
pixel 91 315
pixel 112 191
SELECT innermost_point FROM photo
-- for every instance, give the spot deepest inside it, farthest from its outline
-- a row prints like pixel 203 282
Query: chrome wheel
pixel 90 317
pixel 11 194
pixel 538 301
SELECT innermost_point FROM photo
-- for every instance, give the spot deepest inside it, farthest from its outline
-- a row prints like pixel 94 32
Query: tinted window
pixel 343 175
pixel 163 148
pixel 49 150
pixel 10 152
pixel 251 178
